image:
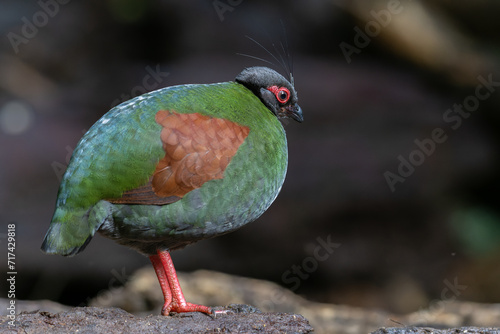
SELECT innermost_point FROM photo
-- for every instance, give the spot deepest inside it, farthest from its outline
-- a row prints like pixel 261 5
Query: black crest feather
pixel 281 54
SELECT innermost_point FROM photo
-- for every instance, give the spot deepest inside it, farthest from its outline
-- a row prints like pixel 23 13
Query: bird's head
pixel 276 92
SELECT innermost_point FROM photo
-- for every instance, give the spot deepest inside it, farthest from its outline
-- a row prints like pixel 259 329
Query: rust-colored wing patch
pixel 197 149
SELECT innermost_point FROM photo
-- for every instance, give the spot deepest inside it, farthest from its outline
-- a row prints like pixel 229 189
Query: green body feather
pixel 121 150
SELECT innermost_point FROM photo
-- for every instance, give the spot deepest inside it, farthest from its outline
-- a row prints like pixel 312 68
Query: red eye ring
pixel 282 93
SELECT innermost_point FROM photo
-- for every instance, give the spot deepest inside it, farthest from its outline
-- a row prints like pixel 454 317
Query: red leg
pixel 165 287
pixel 174 298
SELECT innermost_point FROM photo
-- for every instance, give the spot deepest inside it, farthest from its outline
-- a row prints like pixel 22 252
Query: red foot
pixel 174 298
pixel 189 307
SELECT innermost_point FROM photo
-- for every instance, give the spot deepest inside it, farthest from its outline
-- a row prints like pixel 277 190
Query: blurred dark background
pixel 372 77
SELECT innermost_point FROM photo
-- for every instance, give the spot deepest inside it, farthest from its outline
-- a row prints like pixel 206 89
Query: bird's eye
pixel 282 93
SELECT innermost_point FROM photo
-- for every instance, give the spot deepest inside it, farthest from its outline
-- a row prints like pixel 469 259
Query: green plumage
pixel 120 153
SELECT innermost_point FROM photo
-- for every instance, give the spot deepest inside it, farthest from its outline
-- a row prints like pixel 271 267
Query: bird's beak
pixel 295 112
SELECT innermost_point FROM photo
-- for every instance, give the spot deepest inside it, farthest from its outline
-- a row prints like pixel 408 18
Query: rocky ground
pixel 113 320
pixel 135 307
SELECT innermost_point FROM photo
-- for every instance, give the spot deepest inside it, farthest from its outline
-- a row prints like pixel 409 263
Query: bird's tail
pixel 69 232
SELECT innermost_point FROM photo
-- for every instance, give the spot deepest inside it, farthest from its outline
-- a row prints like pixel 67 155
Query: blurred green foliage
pixel 477 229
